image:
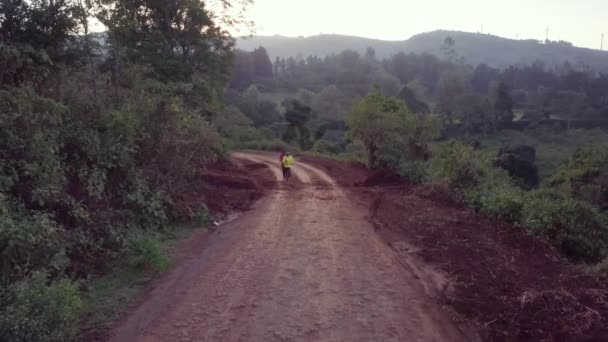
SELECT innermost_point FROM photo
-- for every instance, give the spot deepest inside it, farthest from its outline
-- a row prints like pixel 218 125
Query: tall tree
pixel 297 115
pixel 452 88
pixel 35 37
pixel 262 67
pixel 243 70
pixel 482 77
pixel 410 99
pixel 503 105
pixel 448 48
pixel 176 38
pixel 385 126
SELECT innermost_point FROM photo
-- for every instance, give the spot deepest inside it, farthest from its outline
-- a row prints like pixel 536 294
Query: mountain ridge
pixel 475 48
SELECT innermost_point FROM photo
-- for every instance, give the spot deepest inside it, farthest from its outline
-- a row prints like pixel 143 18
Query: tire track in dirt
pixel 305 265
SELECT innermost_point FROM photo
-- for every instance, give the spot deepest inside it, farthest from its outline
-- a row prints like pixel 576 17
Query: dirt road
pixel 304 265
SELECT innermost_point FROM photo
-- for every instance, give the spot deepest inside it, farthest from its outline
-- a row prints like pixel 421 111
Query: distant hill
pixel 473 47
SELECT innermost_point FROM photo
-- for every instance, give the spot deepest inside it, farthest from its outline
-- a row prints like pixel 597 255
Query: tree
pixel 503 105
pixel 415 105
pixel 452 88
pixel 305 97
pixel 297 115
pixel 448 48
pixel 384 125
pixel 232 124
pixel 290 65
pixel 538 104
pixel 262 67
pixel 251 97
pixel 78 177
pixel 277 66
pixel 477 114
pixel 567 104
pixel 389 84
pixel 243 74
pixel 34 41
pixel 176 38
pixel 331 103
pixel 482 78
pixel 262 112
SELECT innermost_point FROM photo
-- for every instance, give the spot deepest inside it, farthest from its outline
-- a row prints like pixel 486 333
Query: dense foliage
pixel 468 99
pixel 98 139
pixel 389 131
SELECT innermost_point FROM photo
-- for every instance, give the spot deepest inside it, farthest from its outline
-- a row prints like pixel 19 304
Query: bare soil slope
pixel 514 286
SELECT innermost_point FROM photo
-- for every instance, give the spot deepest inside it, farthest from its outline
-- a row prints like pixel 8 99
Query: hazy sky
pixel 580 22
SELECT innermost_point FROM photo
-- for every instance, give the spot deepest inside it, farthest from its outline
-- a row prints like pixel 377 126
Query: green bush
pixel 36 310
pixel 29 241
pixel 145 253
pixel 267 145
pixel 586 163
pixel 540 211
pixel 502 202
pixel 391 154
pixel 582 231
pixel 326 147
pixel 203 217
pixel 459 165
pixel 148 205
pixel 416 171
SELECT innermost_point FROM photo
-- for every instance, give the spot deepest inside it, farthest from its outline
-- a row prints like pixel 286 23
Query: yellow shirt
pixel 288 161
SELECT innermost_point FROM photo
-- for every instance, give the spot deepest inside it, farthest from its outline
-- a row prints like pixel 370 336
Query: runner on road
pixel 283 166
pixel 287 163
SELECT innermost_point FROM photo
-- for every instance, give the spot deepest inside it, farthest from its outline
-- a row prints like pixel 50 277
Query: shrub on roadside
pixel 502 202
pixel 266 145
pixel 416 171
pixel 585 176
pixel 203 217
pixel 541 210
pixel 326 147
pixel 582 231
pixel 578 229
pixel 36 310
pixel 459 165
pixel 145 253
pixel 28 241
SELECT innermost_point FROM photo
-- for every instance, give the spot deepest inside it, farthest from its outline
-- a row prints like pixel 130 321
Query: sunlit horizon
pixel 394 20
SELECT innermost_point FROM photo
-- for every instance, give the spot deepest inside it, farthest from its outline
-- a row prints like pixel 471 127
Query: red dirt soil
pixel 226 187
pixel 304 265
pixel 513 286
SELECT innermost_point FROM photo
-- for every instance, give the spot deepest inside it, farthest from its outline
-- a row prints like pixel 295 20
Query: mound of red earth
pixel 513 286
pixel 345 173
pixel 236 185
pixel 381 177
pixel 226 187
